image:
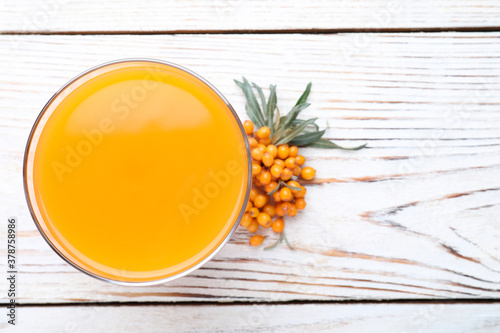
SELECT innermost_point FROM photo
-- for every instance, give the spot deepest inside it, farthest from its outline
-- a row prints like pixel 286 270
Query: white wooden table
pixel 401 236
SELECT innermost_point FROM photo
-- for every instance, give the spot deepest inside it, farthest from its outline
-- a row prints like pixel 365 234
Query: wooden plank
pixel 429 317
pixel 227 15
pixel 414 216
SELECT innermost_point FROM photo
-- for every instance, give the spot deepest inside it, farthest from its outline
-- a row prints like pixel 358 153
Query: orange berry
pixel 293 210
pixel 271 186
pixel 262 147
pixel 248 126
pixel 254 226
pixel 253 212
pixel 300 194
pixel 249 206
pixel 256 168
pixel 264 220
pixel 269 209
pixel 278 225
pixel 276 171
pixel 273 150
pixel 308 173
pixel 253 194
pixel 256 240
pixel 300 160
pixel 283 151
pixel 294 151
pixel 282 208
pixel 260 200
pixel 246 220
pixel 257 182
pixel 267 159
pixel 252 143
pixel 257 154
pixel 265 177
pixel 296 171
pixel 290 163
pixel 266 141
pixel 300 203
pixel 293 183
pixel 286 194
pixel 279 162
pixel 277 196
pixel 264 132
pixel 287 174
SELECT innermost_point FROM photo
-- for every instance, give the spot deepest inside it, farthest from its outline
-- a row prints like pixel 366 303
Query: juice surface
pixel 140 172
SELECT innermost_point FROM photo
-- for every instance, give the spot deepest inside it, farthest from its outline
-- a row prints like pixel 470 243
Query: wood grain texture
pixel 414 216
pixel 262 318
pixel 227 15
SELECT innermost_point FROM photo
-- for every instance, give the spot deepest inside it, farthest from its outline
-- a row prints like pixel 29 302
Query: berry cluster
pixel 275 193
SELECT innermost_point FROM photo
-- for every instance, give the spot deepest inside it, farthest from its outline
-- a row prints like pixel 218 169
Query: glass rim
pixel 181 273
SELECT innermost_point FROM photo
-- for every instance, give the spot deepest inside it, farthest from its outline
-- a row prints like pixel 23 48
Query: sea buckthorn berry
pixel 273 150
pixel 290 163
pixel 265 177
pixel 277 196
pixel 276 170
pixel 267 159
pixel 300 203
pixel 266 141
pixel 269 209
pixel 282 208
pixel 296 171
pixel 249 206
pixel 264 132
pixel 271 186
pixel 283 151
pixel 301 193
pixel 294 151
pixel 252 143
pixel 308 173
pixel 254 226
pixel 279 162
pixel 300 160
pixel 287 174
pixel 264 220
pixel 257 182
pixel 256 168
pixel 293 210
pixel 256 240
pixel 294 183
pixel 253 194
pixel 262 147
pixel 246 220
pixel 278 225
pixel 248 125
pixel 286 194
pixel 253 212
pixel 260 200
pixel 257 154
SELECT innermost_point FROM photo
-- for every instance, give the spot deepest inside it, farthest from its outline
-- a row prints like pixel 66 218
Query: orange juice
pixel 137 171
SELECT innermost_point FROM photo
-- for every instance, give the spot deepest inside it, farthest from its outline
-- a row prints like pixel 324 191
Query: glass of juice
pixel 137 171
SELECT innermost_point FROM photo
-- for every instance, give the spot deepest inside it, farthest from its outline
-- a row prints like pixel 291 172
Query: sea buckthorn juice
pixel 137 171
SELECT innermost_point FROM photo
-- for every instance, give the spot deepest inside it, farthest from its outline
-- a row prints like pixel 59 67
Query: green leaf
pixel 305 94
pixel 252 107
pixel 323 143
pixel 261 95
pixel 286 241
pixel 271 105
pixel 294 112
pixel 289 136
pixel 277 119
pixel 300 121
pixel 253 117
pixel 307 138
pixel 292 187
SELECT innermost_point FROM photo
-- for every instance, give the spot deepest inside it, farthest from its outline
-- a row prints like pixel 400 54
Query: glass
pixel 137 171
